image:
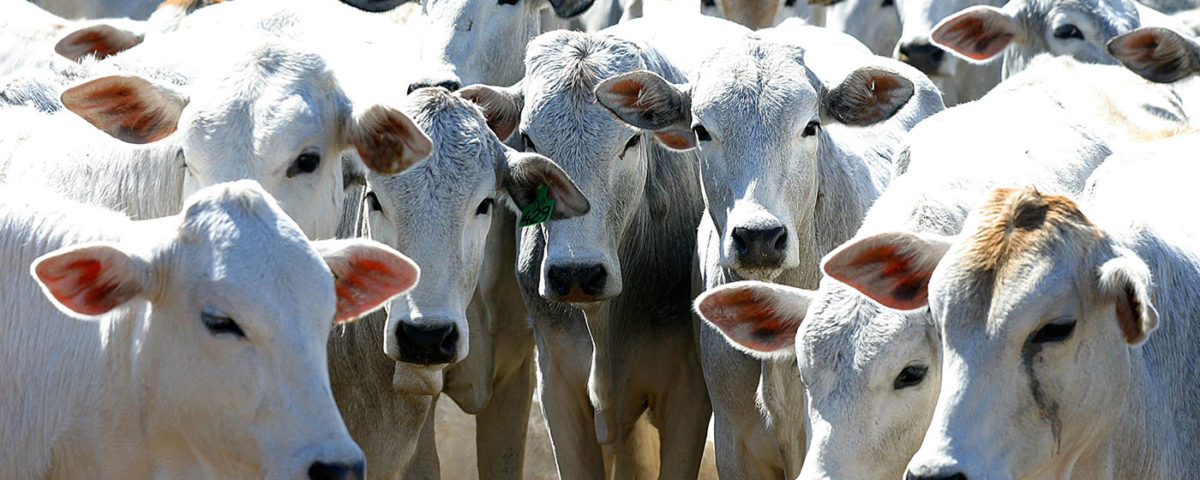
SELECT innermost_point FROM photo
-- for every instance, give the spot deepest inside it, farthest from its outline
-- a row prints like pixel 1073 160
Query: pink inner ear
pixel 749 319
pixel 886 277
pixel 970 36
pixel 76 286
pixel 367 284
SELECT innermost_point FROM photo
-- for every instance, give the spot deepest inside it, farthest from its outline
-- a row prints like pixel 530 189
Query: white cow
pixel 1068 339
pixel 960 81
pixel 787 174
pixel 263 110
pixel 876 23
pixel 871 373
pixel 1023 29
pixel 183 347
pixel 440 212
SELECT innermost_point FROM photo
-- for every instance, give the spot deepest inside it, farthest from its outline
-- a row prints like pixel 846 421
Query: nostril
pixel 450 342
pixel 556 279
pixel 450 85
pixel 781 239
pixel 936 476
pixel 337 471
pixel 594 277
pixel 739 239
pixel 426 345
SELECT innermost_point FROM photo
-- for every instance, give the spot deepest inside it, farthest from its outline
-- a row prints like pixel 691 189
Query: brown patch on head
pixel 1019 221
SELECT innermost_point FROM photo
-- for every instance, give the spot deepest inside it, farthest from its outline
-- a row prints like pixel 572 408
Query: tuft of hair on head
pixel 1018 220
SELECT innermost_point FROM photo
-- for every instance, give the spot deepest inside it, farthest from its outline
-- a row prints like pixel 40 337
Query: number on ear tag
pixel 539 211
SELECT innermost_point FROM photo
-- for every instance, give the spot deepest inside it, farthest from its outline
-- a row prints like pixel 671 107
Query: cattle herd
pixel 827 239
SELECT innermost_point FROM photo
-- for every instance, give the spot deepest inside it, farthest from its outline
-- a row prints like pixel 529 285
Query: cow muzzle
pixel 427 341
pixel 577 283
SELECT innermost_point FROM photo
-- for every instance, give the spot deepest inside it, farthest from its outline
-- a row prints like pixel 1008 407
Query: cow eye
pixel 789 3
pixel 307 162
pixel 702 133
pixel 218 324
pixel 1068 31
pixel 373 202
pixel 484 207
pixel 887 3
pixel 633 142
pixel 1054 332
pixel 508 2
pixel 529 146
pixel 910 376
pixel 811 129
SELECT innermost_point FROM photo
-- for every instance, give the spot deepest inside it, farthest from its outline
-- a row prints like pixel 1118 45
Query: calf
pixel 786 176
pixel 440 212
pixel 268 112
pixel 867 416
pixel 180 347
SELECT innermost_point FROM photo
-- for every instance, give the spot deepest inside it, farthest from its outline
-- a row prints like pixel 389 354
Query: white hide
pixel 211 364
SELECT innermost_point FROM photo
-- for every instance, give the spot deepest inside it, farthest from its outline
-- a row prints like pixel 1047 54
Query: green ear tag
pixel 538 211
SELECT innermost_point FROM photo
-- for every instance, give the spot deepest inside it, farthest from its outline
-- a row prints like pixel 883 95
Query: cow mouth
pixel 760 274
pixel 408 379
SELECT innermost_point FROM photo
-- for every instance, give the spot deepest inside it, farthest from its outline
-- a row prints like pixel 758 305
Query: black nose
pixel 589 279
pixel 760 247
pixel 926 56
pixel 427 345
pixel 451 85
pixel 936 476
pixel 337 471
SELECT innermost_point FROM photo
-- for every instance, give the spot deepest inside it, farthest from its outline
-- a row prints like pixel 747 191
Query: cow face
pixel 485 39
pixel 757 114
pixel 277 116
pixel 230 365
pixel 1023 29
pixel 440 211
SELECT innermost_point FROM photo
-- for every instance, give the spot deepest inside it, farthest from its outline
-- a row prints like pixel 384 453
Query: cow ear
pixel 1157 54
pixel 760 318
pixel 570 8
pixel 98 40
pixel 868 96
pixel 976 34
pixel 647 101
pixel 387 140
pixel 1126 279
pixel 366 274
pixel 890 268
pixel 501 106
pixel 523 173
pixel 129 108
pixel 89 280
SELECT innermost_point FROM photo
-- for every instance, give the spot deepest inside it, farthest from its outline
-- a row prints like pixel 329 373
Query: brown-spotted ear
pixel 99 40
pixel 1126 279
pixel 129 108
pixel 570 8
pixel 88 280
pixel 501 106
pixel 522 174
pixel 976 34
pixel 366 275
pixel 1157 54
pixel 891 268
pixel 761 318
pixel 649 102
pixel 387 140
pixel 868 96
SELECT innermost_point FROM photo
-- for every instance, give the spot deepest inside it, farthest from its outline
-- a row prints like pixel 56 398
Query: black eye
pixel 887 3
pixel 373 202
pixel 484 207
pixel 219 325
pixel 1053 332
pixel 811 129
pixel 508 2
pixel 910 376
pixel 789 3
pixel 701 133
pixel 1068 31
pixel 633 142
pixel 529 146
pixel 708 3
pixel 307 162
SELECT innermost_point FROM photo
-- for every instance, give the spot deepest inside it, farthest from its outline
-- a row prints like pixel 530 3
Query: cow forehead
pixel 1111 16
pixel 754 81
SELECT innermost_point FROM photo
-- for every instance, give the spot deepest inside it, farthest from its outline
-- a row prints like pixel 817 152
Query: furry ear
pixel 868 96
pixel 366 275
pixel 99 40
pixel 129 108
pixel 92 279
pixel 891 268
pixel 1126 279
pixel 1157 54
pixel 522 173
pixel 760 318
pixel 647 101
pixel 387 140
pixel 501 106
pixel 977 34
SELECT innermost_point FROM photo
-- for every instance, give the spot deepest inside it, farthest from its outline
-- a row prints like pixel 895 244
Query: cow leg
pixel 502 425
pixel 424 464
pixel 744 446
pixel 636 456
pixel 681 411
pixel 564 360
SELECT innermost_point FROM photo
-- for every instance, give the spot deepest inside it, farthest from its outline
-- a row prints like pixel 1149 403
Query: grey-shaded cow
pixel 787 175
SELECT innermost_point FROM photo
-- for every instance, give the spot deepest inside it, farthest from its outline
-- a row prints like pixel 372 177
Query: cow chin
pixel 760 274
pixel 417 380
